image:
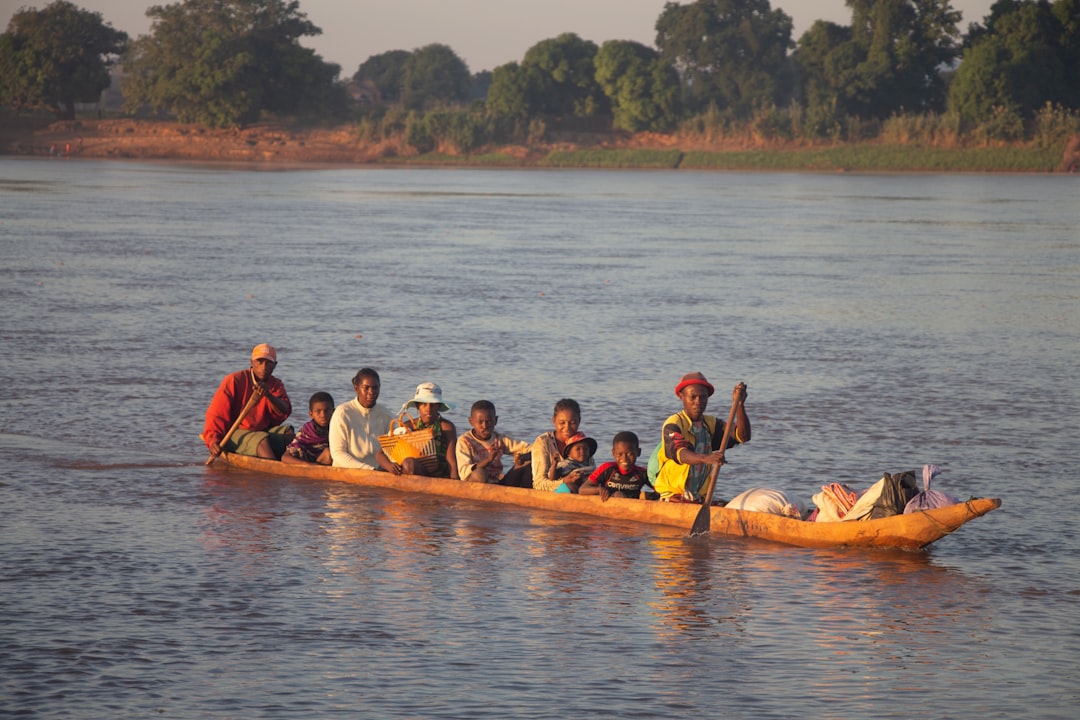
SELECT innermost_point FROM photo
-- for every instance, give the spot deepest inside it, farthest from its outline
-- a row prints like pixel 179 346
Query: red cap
pixel 694 378
pixel 576 438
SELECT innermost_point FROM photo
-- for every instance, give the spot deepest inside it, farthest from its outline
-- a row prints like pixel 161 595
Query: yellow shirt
pixel 679 434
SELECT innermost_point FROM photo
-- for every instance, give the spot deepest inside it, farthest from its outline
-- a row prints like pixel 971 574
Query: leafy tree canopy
pixel 1026 54
pixel 224 62
pixel 434 75
pixel 824 51
pixel 567 77
pixel 730 53
pixel 56 57
pixel 387 72
pixel 889 60
pixel 515 90
pixel 481 82
pixel 641 86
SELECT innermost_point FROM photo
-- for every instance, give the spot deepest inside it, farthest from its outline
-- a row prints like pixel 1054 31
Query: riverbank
pixel 279 144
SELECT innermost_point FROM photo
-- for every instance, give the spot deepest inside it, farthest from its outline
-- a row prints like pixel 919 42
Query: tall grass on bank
pixel 866 157
pixel 1051 125
pixel 449 131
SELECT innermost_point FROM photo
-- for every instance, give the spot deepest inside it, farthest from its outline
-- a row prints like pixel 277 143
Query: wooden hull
pixel 910 532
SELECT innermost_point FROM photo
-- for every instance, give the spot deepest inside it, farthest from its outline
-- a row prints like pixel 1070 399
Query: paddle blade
pixel 703 521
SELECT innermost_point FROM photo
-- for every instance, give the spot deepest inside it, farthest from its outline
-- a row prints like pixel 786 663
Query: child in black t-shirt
pixel 622 477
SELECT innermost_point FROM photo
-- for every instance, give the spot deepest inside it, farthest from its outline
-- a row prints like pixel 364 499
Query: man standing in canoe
pixel 690 440
pixel 260 432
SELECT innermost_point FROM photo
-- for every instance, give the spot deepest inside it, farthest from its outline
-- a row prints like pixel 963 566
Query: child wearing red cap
pixel 575 465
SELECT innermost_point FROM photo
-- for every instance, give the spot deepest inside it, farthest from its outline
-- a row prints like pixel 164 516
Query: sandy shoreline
pixel 133 139
pixel 279 146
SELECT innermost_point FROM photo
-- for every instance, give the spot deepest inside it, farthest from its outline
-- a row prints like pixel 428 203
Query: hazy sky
pixel 484 33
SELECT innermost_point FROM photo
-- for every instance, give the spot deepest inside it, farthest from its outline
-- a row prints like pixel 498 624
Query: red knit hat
pixel 694 378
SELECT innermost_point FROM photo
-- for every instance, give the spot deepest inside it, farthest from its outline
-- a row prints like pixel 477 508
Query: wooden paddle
pixel 243 414
pixel 703 521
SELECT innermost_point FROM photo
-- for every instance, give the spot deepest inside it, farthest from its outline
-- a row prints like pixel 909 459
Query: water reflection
pixel 699 587
pixel 242 515
pixel 838 598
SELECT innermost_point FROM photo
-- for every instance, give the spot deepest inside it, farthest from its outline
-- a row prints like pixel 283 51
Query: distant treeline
pixel 901 69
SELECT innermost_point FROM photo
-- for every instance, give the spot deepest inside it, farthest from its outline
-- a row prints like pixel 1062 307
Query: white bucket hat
pixel 428 393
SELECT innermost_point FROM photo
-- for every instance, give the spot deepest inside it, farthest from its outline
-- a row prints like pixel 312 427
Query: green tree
pixel 641 86
pixel 515 91
pixel 566 75
pixel 56 57
pixel 729 53
pixel 434 75
pixel 225 62
pixel 823 55
pixel 901 46
pixel 478 88
pixel 1067 13
pixel 889 60
pixel 1026 55
pixel 387 72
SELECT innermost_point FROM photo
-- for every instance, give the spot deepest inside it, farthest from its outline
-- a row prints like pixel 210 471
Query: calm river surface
pixel 880 322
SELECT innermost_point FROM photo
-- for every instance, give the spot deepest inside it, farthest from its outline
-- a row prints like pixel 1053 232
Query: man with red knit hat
pixel 690 440
pixel 260 433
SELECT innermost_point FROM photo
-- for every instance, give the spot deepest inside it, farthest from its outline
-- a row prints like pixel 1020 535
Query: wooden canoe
pixel 910 532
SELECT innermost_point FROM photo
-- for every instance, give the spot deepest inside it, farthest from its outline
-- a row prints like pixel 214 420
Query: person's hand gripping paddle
pixel 243 414
pixel 703 521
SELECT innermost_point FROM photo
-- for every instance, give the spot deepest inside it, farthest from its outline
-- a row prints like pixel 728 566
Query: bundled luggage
pixel 928 498
pixel 887 497
pixel 768 500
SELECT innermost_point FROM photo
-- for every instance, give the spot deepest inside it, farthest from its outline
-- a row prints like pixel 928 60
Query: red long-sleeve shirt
pixel 229 400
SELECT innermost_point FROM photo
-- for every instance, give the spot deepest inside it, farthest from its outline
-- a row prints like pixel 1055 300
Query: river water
pixel 880 322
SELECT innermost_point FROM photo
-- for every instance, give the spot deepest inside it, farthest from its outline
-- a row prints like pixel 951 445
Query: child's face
pixel 428 412
pixel 321 412
pixel 566 423
pixel 625 455
pixel 578 452
pixel 483 423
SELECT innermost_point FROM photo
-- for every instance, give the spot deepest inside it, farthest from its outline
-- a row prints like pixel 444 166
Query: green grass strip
pixel 878 158
pixel 484 160
pixel 664 159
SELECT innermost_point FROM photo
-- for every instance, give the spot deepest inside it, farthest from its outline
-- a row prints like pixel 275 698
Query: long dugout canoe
pixel 910 532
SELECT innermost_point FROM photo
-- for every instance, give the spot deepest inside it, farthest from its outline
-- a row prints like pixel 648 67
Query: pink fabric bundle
pixel 842 495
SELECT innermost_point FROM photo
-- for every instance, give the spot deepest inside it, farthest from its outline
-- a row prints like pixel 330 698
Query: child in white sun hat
pixel 429 403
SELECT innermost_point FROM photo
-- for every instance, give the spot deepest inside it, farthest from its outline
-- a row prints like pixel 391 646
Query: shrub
pixel 770 123
pixel 1054 125
pixel 417 134
pixel 1004 124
